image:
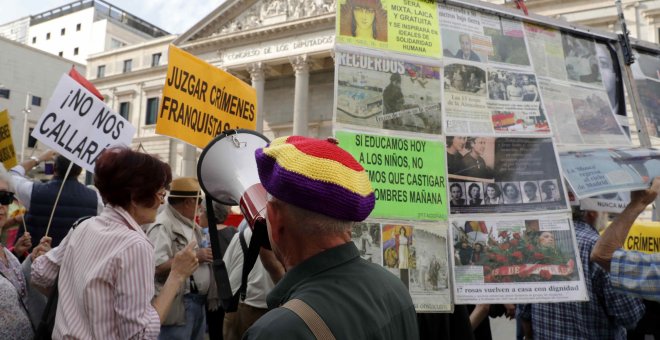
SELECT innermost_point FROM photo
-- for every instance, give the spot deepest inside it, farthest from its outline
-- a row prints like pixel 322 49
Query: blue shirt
pixel 606 315
pixel 636 273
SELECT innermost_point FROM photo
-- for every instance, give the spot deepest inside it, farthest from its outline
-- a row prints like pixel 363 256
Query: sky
pixel 174 16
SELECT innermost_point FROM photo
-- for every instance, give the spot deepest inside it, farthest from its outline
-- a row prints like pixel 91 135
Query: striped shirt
pixel 105 282
pixel 636 274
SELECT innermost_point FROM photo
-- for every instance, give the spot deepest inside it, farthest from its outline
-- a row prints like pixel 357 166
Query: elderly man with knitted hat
pixel 173 230
pixel 316 190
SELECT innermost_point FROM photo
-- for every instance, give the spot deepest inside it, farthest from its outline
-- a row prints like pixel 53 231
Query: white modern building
pixel 27 79
pixel 78 29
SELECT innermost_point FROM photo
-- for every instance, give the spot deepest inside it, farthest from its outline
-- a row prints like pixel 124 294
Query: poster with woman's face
pixel 409 27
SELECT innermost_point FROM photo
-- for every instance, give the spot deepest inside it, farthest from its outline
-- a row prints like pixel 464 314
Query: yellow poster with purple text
pixel 407 26
pixel 200 101
pixel 7 151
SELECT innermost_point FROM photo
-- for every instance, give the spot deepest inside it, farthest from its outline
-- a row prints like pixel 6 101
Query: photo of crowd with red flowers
pixel 515 251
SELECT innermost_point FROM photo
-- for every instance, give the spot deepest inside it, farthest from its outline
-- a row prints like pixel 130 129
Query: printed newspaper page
pixel 503 175
pixel 581 114
pixel 600 171
pixel 516 260
pixel 388 93
pixel 415 253
pixel 646 71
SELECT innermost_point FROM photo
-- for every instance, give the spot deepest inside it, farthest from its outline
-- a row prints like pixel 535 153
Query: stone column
pixel 301 100
pixel 258 77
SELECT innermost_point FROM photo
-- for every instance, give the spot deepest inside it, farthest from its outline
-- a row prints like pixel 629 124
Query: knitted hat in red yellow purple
pixel 316 175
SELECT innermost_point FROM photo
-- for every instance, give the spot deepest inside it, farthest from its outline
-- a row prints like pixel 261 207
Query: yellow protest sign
pixel 644 236
pixel 200 101
pixel 7 152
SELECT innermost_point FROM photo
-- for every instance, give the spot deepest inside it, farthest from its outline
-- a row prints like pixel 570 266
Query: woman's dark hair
pixel 473 185
pixel 512 186
pixel 122 175
pixel 494 186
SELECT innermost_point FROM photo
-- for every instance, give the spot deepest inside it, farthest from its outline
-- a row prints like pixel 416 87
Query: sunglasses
pixel 6 197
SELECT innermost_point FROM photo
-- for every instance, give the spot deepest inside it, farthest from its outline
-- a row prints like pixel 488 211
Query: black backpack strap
pixel 259 236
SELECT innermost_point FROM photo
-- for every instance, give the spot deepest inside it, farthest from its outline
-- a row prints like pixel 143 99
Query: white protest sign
pixel 79 126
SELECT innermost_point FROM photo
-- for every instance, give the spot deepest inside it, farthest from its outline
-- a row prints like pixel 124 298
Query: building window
pixel 114 43
pixel 78 27
pixel 32 142
pixel 62 31
pixel 100 71
pixel 75 51
pixel 60 53
pixel 34 40
pixel 152 108
pixel 124 109
pixel 48 36
pixel 128 64
pixel 36 100
pixel 4 93
pixel 155 59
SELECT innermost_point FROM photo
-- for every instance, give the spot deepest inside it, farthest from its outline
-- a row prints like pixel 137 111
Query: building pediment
pixel 237 16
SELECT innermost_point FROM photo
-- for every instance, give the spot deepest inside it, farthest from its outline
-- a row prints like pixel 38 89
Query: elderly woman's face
pixel 547 240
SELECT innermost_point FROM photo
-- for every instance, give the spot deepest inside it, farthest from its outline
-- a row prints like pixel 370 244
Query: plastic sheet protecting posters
pixel 503 175
pixel 79 126
pixel 581 115
pixel 600 171
pixel 200 100
pixel 406 26
pixel 7 151
pixel 509 260
pixel 408 175
pixel 646 72
pixel 416 253
pixel 388 93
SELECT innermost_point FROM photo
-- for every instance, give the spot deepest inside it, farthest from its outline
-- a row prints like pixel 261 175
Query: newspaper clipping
pixel 499 260
pixel 417 254
pixel 545 46
pixel 387 93
pixel 503 175
pixel 600 171
pixel 581 115
pixel 646 71
pixel 463 34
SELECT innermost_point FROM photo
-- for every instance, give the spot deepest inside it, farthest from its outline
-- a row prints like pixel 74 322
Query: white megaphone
pixel 227 172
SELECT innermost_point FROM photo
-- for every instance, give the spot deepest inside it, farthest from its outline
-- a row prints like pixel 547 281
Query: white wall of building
pixel 71 39
pixel 26 70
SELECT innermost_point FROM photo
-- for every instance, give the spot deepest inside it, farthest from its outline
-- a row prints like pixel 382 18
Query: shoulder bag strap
pixel 311 319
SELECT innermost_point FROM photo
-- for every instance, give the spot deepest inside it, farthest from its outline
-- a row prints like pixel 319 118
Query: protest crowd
pixel 327 245
pixel 129 258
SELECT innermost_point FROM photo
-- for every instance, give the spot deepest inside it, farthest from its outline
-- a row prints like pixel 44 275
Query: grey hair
pixel 311 223
pixel 220 211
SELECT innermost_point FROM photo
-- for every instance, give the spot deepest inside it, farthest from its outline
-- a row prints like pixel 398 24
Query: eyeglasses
pixel 161 195
pixel 364 10
pixel 6 197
